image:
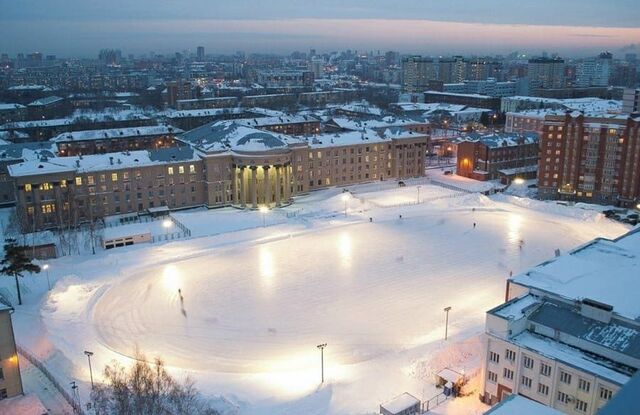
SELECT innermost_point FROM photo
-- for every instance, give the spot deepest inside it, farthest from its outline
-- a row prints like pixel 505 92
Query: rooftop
pixel 495 140
pixel 400 403
pixel 116 133
pixel 517 404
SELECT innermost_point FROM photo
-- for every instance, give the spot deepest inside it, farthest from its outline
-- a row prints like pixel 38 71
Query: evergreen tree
pixel 15 263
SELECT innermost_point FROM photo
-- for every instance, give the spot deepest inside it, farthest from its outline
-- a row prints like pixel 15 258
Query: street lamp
pixel 46 268
pixel 321 347
pixel 446 321
pixel 89 354
pixel 167 224
pixel 264 210
pixel 418 187
pixel 518 180
pixel 345 199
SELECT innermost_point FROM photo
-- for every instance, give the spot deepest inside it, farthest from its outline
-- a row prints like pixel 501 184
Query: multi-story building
pixel 285 78
pixel 561 339
pixel 206 103
pixel 78 143
pixel 176 91
pixel 592 158
pixel 200 53
pixel 527 121
pixel 12 112
pixel 471 100
pixel 417 71
pixel 489 87
pixel 545 73
pixel 594 71
pixel 10 380
pixel 498 155
pixel 631 100
pixel 221 164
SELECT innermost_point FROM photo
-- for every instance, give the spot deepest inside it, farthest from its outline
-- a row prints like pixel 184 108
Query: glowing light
pixel 518 180
pixel 345 197
pixel 267 264
pixel 514 224
pixel 14 359
pixel 171 278
pixel 263 209
pixel 45 267
pixel 345 248
pixel 167 223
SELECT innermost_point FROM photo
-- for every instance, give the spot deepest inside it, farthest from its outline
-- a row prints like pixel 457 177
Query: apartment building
pixel 631 100
pixel 498 155
pixel 10 380
pixel 526 121
pixel 219 164
pixel 561 339
pixel 417 71
pixel 591 158
pixel 87 142
pixel 546 73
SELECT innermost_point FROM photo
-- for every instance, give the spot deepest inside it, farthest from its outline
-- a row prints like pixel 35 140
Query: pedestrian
pixel 370 220
pixel 474 225
pixel 511 273
pixel 400 216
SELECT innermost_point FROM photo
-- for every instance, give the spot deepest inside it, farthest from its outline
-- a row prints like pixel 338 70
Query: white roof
pixel 580 273
pixel 450 375
pixel 124 231
pixel 359 137
pixel 4 106
pixel 516 404
pixel 400 403
pixel 116 133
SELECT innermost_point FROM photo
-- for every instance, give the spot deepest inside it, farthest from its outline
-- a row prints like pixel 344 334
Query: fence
pixel 170 236
pixel 77 409
pixel 433 402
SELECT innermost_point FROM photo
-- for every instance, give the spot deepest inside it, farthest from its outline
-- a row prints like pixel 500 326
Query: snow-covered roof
pixel 460 95
pixel 356 125
pixel 224 136
pixel 517 404
pixel 268 121
pixel 210 112
pixel 45 101
pixel 364 136
pixel 28 404
pixel 581 273
pixel 361 108
pixel 26 151
pixel 103 162
pixel 568 355
pixel 154 130
pixel 30 88
pixel 400 403
pixel 10 106
pixel 122 115
pixel 496 140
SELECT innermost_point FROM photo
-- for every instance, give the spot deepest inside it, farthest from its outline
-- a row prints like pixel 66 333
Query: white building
pixel 595 71
pixel 568 336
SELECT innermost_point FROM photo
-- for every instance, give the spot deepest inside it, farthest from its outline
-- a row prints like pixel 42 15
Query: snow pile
pixel 551 207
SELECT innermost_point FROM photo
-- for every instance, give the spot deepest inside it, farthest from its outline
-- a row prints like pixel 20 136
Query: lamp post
pixel 167 224
pixel 89 354
pixel 418 187
pixel 446 322
pixel 264 210
pixel 321 347
pixel 46 268
pixel 345 199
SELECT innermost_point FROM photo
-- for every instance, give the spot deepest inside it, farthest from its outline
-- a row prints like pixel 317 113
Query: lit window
pixel 63 183
pixel 78 181
pixel 192 168
pixel 181 169
pixel 170 170
pixel 27 187
pixel 45 186
pixel 114 177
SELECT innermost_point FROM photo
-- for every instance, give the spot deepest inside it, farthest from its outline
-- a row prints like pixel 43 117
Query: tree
pixel 146 388
pixel 15 263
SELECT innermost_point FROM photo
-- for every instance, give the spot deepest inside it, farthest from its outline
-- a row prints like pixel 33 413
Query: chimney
pixel 596 310
pixel 111 160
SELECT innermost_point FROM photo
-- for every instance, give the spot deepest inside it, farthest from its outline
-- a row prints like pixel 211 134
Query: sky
pixel 435 27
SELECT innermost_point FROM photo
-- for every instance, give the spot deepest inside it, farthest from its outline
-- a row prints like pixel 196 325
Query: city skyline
pixel 458 27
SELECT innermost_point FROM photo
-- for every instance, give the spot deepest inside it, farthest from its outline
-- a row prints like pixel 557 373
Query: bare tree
pixel 146 388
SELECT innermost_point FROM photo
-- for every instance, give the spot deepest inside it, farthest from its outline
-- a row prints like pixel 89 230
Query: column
pixel 243 192
pixel 234 184
pixel 278 201
pixel 253 187
pixel 287 183
pixel 267 186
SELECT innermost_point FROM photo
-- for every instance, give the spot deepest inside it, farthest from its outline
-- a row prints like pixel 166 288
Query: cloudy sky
pixel 81 28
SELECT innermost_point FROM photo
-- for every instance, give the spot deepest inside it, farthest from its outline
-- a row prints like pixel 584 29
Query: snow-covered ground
pixel 241 307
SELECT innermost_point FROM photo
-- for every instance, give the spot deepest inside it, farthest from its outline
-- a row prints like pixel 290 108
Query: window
pixel 527 362
pixel 90 180
pixel 545 369
pixel 565 377
pixel 584 385
pixel 63 183
pixel 543 389
pixel 510 355
pixel 181 169
pixel 494 357
pixel 508 373
pixel 581 406
pixel 563 397
pixel 605 394
pixel 170 170
pixel 3 394
pixel 526 382
pixel 27 187
pixel 192 168
pixel 45 186
pixel 114 177
pixel 492 376
pixel 1 374
pixel 78 181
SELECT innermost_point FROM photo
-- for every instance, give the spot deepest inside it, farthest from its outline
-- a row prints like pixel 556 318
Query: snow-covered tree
pixel 15 263
pixel 146 388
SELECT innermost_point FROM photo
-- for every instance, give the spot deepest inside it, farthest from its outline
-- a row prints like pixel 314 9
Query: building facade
pixel 590 158
pixel 10 380
pixel 417 71
pixel 546 73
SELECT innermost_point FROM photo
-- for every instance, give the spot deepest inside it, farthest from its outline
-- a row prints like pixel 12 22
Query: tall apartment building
pixel 563 339
pixel 417 71
pixel 177 90
pixel 220 164
pixel 10 380
pixel 200 53
pixel 590 158
pixel 595 71
pixel 631 100
pixel 546 73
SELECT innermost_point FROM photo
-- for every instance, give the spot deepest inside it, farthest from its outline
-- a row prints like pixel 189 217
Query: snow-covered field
pixel 242 309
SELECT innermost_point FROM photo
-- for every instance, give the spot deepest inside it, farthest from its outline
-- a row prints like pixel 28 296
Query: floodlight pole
pixel 321 347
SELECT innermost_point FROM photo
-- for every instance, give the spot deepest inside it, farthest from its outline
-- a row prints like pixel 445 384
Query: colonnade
pixel 255 186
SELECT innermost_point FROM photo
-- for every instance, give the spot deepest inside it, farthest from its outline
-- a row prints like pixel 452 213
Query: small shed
pixel 405 404
pixel 159 211
pixel 450 380
pixel 125 235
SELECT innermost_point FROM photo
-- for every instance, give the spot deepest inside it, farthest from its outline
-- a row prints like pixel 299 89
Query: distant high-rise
pixel 631 100
pixel 546 73
pixel 594 71
pixel 200 53
pixel 417 71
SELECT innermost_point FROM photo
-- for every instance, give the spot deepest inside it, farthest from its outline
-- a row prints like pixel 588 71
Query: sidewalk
pixel 35 382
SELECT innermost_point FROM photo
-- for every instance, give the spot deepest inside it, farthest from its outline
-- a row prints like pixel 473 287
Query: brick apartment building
pixel 594 159
pixel 498 156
